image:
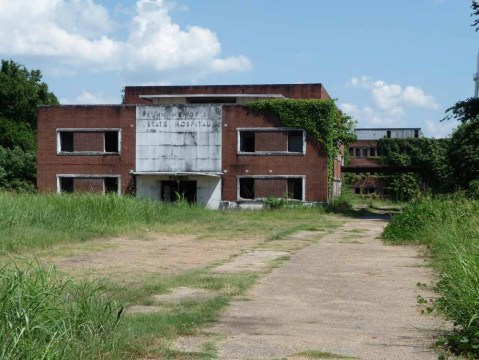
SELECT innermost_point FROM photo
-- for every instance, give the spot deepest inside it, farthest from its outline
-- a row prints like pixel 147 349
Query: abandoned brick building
pixel 365 157
pixel 197 141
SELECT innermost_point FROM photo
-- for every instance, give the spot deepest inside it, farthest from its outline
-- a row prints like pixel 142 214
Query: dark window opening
pixel 358 152
pixel 388 134
pixel 371 190
pixel 378 152
pixel 247 141
pixel 111 185
pixel 172 191
pixel 365 152
pixel 66 141
pixel 111 141
pixel 357 191
pixel 372 152
pixel 416 133
pixel 295 141
pixel 246 188
pixel 351 151
pixel 66 184
pixel 295 189
pixel 211 100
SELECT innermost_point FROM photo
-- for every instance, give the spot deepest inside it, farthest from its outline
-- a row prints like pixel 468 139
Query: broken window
pixel 246 188
pixel 111 141
pixel 111 185
pixel 295 188
pixel 295 141
pixel 89 141
pixel 388 134
pixel 416 133
pixel 358 152
pixel 66 141
pixel 357 190
pixel 92 184
pixel 372 152
pixel 66 185
pixel 274 140
pixel 365 152
pixel 351 151
pixel 247 141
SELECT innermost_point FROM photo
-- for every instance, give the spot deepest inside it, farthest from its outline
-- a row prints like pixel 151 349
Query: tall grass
pixel 43 317
pixel 28 220
pixel 450 227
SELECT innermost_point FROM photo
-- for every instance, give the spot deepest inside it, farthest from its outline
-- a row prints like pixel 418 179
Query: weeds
pixel 42 317
pixel 450 228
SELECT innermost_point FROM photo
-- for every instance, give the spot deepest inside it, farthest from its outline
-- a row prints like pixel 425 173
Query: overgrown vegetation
pixel 449 226
pixel 46 317
pixel 323 121
pixel 32 221
pixel 21 92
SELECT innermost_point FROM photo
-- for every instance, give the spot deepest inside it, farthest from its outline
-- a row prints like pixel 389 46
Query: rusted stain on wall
pixel 183 138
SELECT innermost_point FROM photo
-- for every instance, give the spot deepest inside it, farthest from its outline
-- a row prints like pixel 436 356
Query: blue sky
pixel 389 63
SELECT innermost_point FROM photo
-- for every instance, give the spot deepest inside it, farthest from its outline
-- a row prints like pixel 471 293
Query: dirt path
pixel 349 294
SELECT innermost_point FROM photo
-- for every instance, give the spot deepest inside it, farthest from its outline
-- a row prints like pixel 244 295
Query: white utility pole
pixel 476 79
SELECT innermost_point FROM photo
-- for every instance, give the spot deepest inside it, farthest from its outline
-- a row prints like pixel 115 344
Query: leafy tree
pixel 475 12
pixel 21 91
pixel 464 153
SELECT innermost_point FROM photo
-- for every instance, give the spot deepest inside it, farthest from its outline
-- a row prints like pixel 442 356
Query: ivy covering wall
pixel 323 121
pixel 428 156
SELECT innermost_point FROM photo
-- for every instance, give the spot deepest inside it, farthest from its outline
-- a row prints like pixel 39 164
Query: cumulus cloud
pixel 390 104
pixel 393 97
pixel 81 33
pixel 86 97
pixel 438 129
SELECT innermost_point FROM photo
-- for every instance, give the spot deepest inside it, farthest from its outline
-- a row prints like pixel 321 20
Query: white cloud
pixel 79 33
pixel 87 97
pixel 438 129
pixel 393 97
pixel 390 104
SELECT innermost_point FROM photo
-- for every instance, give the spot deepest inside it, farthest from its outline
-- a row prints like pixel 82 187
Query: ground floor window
pixel 88 184
pixel 172 190
pixel 261 187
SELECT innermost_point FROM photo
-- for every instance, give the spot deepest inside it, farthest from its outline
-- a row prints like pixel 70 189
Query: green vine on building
pixel 323 121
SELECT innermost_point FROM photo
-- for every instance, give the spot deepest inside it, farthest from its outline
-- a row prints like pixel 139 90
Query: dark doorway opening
pixel 172 190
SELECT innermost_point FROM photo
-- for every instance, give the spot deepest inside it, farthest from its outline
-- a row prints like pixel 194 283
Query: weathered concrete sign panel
pixel 178 138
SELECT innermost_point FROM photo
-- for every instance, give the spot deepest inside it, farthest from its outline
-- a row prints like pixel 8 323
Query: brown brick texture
pixel 313 164
pixel 50 164
pixel 271 141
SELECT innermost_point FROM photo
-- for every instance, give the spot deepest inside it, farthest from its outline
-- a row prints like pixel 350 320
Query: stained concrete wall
pixel 208 188
pixel 178 138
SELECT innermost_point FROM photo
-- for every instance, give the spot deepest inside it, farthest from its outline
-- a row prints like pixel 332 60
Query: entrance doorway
pixel 172 190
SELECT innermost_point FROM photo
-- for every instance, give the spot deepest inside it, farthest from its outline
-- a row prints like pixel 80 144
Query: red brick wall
pixel 270 187
pixel 88 141
pixel 293 91
pixel 88 185
pixel 92 116
pixel 271 141
pixel 313 164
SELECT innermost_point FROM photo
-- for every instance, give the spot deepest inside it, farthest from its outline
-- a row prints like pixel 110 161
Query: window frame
pixel 88 176
pixel 269 153
pixel 59 131
pixel 270 177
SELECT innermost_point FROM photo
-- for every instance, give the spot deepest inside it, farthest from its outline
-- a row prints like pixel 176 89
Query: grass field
pixel 450 229
pixel 44 225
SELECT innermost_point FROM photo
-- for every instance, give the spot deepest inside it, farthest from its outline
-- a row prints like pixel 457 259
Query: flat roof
pixel 147 97
pixel 359 129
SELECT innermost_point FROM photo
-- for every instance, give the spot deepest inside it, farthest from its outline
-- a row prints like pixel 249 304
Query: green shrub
pixel 450 226
pixel 42 317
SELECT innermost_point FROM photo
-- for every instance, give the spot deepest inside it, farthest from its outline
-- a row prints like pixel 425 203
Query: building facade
pixel 364 157
pixel 196 142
